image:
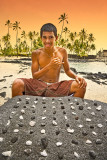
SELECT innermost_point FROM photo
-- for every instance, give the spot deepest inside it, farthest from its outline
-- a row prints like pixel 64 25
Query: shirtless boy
pixel 46 66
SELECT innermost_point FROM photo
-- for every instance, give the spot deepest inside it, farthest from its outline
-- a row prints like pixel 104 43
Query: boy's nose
pixel 47 40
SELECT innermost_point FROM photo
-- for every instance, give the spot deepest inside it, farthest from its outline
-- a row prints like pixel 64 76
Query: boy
pixel 46 66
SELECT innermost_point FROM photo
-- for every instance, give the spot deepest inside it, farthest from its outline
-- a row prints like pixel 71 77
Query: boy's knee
pixel 75 87
pixel 18 83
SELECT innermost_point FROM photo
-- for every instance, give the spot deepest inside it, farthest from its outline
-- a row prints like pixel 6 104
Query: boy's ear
pixel 56 38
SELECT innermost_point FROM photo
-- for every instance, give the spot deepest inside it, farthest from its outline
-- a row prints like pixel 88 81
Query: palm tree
pixel 63 18
pixel 31 36
pixel 66 30
pixel 23 35
pixel 91 38
pixel 24 43
pixel 83 35
pixel 6 39
pixel 16 28
pixel 9 25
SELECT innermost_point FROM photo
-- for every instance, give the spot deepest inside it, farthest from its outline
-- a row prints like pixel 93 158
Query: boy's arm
pixel 36 73
pixel 79 80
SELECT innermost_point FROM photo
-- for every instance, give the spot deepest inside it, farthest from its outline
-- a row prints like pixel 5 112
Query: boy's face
pixel 48 39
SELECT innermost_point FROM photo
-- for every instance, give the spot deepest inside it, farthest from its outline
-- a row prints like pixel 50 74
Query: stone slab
pixel 47 128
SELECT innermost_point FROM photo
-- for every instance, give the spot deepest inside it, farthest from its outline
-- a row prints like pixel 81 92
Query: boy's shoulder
pixel 61 49
pixel 37 51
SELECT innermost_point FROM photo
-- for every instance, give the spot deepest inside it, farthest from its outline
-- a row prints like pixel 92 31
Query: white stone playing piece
pixel 43 118
pixel 59 144
pixel 22 111
pixel 76 154
pixel 35 102
pixel 100 125
pixel 13 112
pixel 71 103
pixel 28 143
pixel 1 139
pixel 32 123
pixel 54 123
pixel 70 130
pixel 18 102
pixel 72 107
pixel 43 131
pixel 92 113
pixel 53 102
pixel 88 141
pixel 44 98
pixel 27 98
pixel 85 103
pixel 16 131
pixel 44 153
pixel 80 126
pixel 7 153
pixel 21 117
pixel 94 133
pixel 98 108
pixel 88 120
pixel 66 117
pixel 33 106
pixel 73 113
pixel 53 107
pixel 8 123
pixel 88 108
pixel 60 99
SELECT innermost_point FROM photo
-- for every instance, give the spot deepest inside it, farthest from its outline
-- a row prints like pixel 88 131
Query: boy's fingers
pixel 53 54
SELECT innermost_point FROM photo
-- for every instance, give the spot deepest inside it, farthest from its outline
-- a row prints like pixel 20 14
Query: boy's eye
pixel 51 37
pixel 44 37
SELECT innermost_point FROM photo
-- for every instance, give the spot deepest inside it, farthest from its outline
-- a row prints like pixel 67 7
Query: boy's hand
pixel 55 62
pixel 81 82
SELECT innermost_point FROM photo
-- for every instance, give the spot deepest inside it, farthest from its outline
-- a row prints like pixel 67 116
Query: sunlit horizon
pixel 90 15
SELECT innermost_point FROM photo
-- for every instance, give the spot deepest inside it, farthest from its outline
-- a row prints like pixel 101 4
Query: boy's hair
pixel 48 27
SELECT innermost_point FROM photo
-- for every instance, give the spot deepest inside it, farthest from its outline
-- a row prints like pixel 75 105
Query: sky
pixel 32 14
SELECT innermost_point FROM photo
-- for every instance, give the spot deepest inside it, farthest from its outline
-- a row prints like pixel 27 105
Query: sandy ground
pixel 10 71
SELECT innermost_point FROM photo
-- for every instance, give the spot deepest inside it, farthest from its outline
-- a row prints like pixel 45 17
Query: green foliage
pixel 78 43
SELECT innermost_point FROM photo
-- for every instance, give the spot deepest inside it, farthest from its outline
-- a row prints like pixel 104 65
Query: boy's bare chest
pixel 44 60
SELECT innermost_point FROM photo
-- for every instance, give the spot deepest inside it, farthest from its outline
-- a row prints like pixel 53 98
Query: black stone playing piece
pixel 62 107
pixel 77 133
pixel 92 154
pixel 95 104
pixel 54 112
pixel 57 132
pixel 98 141
pixel 14 139
pixel 27 102
pixel 33 117
pixel 91 126
pixel 31 131
pixel 77 103
pixel 84 133
pixel 74 141
pixel 54 118
pixel 43 102
pixel 64 112
pixel 60 155
pixel 4 130
pixel 15 106
pixel 81 107
pixel 67 125
pixel 20 124
pixel 42 124
pixel 44 142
